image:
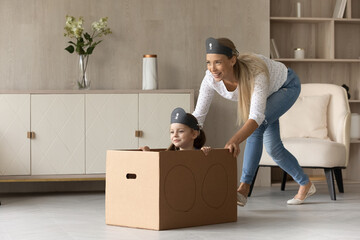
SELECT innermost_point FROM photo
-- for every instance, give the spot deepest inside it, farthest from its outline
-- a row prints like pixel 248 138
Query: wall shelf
pixel 310 60
pixel 300 20
pixel 331 45
pixel 313 20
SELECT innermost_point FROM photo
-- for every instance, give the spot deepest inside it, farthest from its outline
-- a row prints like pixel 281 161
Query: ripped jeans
pixel 268 134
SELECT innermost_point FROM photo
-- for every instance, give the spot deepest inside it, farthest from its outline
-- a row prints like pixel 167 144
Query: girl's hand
pixel 233 148
pixel 145 148
pixel 206 150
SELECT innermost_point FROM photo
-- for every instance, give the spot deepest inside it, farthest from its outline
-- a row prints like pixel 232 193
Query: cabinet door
pixel 14 125
pixel 111 121
pixel 58 123
pixel 154 117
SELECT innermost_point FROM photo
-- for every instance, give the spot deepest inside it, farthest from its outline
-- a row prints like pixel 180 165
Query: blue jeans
pixel 268 134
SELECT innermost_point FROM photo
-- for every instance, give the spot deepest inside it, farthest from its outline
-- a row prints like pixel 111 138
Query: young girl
pixel 185 133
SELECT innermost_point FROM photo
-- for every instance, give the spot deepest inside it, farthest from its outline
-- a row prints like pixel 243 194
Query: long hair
pixel 199 142
pixel 246 68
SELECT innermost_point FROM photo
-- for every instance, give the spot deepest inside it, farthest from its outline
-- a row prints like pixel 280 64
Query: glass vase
pixel 83 81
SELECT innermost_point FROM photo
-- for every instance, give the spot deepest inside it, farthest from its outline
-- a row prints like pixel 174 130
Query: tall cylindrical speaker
pixel 149 81
pixel 355 126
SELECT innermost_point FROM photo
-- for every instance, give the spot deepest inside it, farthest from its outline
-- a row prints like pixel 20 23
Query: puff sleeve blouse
pixel 262 90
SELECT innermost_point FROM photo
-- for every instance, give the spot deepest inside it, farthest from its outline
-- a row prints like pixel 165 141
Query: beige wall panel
pixel 32 42
pixel 347 41
pixel 33 56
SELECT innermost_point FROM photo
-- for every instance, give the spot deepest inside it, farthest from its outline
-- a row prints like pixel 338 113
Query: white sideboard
pixel 14 125
pixel 58 122
pixel 65 134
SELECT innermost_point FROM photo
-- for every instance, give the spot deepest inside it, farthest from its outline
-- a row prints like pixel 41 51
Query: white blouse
pixel 262 90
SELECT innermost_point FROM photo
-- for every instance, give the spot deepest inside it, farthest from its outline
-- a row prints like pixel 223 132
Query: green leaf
pixel 80 41
pixel 88 43
pixel 80 44
pixel 87 36
pixel 72 43
pixel 70 49
pixel 90 50
pixel 80 50
pixel 96 43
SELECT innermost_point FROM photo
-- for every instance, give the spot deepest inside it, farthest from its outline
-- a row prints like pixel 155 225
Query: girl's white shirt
pixel 262 90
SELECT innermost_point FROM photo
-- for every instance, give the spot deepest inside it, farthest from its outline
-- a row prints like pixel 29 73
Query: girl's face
pixel 182 136
pixel 220 66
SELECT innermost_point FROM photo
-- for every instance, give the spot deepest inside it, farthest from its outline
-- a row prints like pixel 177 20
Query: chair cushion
pixel 308 151
pixel 307 118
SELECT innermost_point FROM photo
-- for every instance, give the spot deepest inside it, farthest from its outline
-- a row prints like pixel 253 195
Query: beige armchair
pixel 316 130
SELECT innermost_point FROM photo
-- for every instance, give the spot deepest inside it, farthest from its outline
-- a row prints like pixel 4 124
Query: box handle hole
pixel 131 176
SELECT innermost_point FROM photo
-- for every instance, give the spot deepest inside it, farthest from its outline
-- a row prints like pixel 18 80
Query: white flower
pixel 99 25
pixel 73 28
pixel 85 42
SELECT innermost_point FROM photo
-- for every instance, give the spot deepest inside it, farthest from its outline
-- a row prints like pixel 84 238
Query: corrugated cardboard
pixel 170 189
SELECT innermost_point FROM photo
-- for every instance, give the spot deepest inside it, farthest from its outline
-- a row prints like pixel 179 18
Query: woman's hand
pixel 233 148
pixel 245 131
pixel 206 150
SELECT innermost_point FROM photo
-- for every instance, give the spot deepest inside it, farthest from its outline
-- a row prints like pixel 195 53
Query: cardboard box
pixel 170 189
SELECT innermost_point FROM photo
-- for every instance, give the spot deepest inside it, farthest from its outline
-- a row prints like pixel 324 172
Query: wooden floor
pixel 81 216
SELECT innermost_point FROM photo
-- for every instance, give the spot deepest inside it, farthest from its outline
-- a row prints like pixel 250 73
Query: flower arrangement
pixel 85 42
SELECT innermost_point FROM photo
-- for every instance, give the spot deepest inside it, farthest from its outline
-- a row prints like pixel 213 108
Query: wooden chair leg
pixel 339 179
pixel 330 182
pixel 283 182
pixel 253 182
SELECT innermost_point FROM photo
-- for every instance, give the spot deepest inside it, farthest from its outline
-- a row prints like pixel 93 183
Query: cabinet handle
pixel 138 133
pixel 31 135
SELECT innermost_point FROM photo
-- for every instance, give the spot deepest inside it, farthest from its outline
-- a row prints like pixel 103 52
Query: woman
pixel 265 90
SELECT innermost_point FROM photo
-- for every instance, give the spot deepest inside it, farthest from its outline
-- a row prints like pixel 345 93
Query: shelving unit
pixel 332 49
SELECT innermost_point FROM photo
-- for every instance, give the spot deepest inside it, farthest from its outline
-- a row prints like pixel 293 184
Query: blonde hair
pixel 246 68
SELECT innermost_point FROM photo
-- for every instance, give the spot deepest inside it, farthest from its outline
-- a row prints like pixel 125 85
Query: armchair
pixel 316 130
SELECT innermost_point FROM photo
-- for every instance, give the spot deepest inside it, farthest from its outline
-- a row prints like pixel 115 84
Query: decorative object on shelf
pixel 355 126
pixel 298 9
pixel 347 90
pixel 339 9
pixel 149 81
pixel 85 43
pixel 274 52
pixel 299 53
